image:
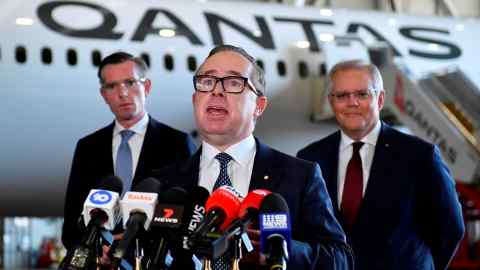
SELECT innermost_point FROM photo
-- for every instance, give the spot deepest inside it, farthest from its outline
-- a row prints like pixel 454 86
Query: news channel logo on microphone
pixel 100 197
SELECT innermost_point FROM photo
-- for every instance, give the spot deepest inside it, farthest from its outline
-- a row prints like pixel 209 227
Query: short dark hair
pixel 122 57
pixel 257 76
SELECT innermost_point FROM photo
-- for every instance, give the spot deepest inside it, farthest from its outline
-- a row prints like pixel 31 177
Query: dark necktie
pixel 223 179
pixel 124 163
pixel 225 261
pixel 353 187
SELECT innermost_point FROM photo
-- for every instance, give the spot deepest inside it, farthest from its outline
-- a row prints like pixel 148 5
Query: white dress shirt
pixel 135 142
pixel 366 153
pixel 239 169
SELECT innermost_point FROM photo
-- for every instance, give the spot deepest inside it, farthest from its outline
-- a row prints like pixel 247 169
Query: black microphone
pixel 100 210
pixel 275 231
pixel 194 214
pixel 222 208
pixel 137 209
pixel 166 223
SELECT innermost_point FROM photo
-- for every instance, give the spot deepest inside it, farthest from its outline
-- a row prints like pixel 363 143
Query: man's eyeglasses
pixel 358 95
pixel 231 84
pixel 130 84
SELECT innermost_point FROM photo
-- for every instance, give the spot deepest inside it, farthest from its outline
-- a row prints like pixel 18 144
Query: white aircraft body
pixel 50 92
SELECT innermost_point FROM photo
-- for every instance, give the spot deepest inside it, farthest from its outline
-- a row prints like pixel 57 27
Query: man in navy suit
pixel 228 100
pixel 392 192
pixel 124 87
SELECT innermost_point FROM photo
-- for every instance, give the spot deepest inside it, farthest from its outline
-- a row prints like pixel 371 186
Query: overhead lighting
pixel 433 47
pixel 24 21
pixel 392 22
pixel 257 33
pixel 326 37
pixel 326 12
pixel 460 27
pixel 302 44
pixel 167 33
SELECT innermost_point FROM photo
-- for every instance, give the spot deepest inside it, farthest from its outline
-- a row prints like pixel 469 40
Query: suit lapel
pixel 262 172
pixel 107 152
pixel 145 152
pixel 330 169
pixel 189 170
pixel 377 185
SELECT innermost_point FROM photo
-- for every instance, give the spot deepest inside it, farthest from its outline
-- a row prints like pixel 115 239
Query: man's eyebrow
pixel 232 72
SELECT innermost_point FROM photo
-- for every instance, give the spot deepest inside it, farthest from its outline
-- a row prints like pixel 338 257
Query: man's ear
pixel 262 103
pixel 148 87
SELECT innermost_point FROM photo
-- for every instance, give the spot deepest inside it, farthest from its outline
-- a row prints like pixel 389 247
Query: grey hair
pixel 257 76
pixel 375 76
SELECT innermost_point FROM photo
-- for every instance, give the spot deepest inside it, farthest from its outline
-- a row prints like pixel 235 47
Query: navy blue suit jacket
pixel 319 241
pixel 410 216
pixel 93 162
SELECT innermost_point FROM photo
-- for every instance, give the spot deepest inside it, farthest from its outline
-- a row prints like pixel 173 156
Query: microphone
pixel 137 209
pixel 249 209
pixel 100 210
pixel 222 208
pixel 275 231
pixel 166 222
pixel 194 214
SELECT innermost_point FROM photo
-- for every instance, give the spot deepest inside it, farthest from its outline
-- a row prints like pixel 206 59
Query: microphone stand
pixel 237 240
pixel 138 255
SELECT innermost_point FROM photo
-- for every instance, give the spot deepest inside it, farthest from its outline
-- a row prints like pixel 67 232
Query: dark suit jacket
pixel 319 242
pixel 410 217
pixel 92 162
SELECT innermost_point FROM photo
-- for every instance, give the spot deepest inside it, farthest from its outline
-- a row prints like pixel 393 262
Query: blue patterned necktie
pixel 223 179
pixel 124 163
pixel 224 262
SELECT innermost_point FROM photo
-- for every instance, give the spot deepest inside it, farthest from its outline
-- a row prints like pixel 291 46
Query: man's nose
pixel 122 90
pixel 218 89
pixel 352 99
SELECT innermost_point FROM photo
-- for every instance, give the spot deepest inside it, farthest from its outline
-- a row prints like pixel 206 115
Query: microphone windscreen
pixel 253 200
pixel 112 183
pixel 274 224
pixel 198 195
pixel 226 199
pixel 149 184
pixel 274 203
pixel 174 195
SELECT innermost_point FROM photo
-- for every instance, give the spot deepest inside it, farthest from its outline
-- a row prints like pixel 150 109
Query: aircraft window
pixel 146 58
pixel 322 70
pixel 21 54
pixel 260 64
pixel 168 62
pixel 71 57
pixel 96 58
pixel 46 56
pixel 281 68
pixel 302 69
pixel 192 63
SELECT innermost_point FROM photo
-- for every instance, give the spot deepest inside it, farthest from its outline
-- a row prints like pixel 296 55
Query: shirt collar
pixel 241 152
pixel 371 138
pixel 139 128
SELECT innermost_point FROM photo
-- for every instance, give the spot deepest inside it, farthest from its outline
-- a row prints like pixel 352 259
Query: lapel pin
pixel 266 177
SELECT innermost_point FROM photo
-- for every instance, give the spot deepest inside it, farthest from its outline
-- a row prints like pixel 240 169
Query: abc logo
pixel 100 197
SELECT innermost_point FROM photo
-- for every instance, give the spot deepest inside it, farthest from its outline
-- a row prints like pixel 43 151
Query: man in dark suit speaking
pixel 392 192
pixel 228 100
pixel 130 147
